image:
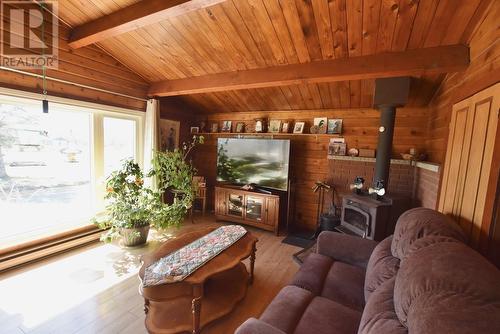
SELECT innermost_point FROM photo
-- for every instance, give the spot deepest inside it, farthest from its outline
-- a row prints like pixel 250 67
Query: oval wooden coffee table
pixel 209 293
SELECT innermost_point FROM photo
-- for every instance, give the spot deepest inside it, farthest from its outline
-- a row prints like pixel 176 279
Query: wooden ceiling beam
pixel 441 59
pixel 133 17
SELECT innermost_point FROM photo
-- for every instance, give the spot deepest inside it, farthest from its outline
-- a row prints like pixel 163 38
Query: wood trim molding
pixel 34 250
pixel 433 60
pixel 133 17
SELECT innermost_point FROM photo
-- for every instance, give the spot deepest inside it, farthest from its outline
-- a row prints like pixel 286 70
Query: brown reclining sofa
pixel 424 279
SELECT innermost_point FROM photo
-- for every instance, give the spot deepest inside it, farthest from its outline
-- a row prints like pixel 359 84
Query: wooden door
pixel 469 158
pixel 272 211
pixel 220 201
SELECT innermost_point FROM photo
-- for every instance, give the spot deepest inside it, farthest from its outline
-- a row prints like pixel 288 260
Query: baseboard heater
pixel 37 250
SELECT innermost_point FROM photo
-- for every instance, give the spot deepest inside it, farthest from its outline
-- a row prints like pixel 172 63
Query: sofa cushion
pixel 344 285
pixel 255 326
pixel 421 222
pixel 312 273
pixel 287 308
pixel 446 287
pixel 331 279
pixel 324 316
pixel 379 315
pixel 382 266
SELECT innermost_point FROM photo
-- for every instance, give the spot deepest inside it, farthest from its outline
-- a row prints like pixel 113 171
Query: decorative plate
pixel 353 152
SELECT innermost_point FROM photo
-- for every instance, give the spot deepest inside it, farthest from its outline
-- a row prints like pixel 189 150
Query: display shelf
pixel 421 164
pixel 265 134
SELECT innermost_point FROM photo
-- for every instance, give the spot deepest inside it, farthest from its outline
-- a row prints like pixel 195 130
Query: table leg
pixel 196 309
pixel 252 262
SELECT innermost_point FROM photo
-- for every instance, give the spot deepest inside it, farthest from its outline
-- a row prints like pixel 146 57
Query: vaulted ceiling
pixel 238 35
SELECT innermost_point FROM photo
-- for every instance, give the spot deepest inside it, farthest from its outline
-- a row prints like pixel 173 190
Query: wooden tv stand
pixel 247 207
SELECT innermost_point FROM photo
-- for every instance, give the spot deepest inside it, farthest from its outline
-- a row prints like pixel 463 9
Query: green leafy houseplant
pixel 175 175
pixel 129 204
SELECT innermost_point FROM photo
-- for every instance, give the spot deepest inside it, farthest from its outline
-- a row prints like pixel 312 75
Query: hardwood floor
pixel 94 289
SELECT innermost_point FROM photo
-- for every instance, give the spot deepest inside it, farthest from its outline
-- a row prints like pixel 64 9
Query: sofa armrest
pixel 255 326
pixel 346 248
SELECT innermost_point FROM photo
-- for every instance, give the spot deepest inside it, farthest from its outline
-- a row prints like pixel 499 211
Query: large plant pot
pixel 131 237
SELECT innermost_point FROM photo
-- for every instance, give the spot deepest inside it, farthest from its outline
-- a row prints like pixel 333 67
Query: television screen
pixel 260 161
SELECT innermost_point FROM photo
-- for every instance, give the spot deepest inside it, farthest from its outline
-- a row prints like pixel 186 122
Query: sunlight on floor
pixel 40 294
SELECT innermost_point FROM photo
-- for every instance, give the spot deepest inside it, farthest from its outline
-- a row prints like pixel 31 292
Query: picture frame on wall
pixel 285 127
pixel 240 127
pixel 299 127
pixel 194 129
pixel 227 126
pixel 321 123
pixel 334 126
pixel 274 126
pixel 214 128
pixel 169 134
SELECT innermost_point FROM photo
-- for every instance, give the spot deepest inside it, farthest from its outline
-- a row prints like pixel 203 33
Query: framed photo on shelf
pixel 299 127
pixel 214 128
pixel 337 146
pixel 195 129
pixel 240 127
pixel 321 123
pixel 274 126
pixel 260 125
pixel 334 126
pixel 285 127
pixel 227 126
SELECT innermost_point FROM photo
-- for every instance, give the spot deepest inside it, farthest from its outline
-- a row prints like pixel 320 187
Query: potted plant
pixel 131 208
pixel 175 176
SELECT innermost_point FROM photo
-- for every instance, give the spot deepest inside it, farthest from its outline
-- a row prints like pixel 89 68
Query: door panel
pixel 475 164
pixel 469 157
pixel 489 146
pixel 456 143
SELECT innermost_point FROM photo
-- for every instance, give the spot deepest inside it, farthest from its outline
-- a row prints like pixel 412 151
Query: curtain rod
pixel 70 83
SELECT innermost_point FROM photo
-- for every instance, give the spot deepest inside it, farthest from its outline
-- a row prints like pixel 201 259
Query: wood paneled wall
pixel 484 71
pixel 175 109
pixel 89 66
pixel 309 153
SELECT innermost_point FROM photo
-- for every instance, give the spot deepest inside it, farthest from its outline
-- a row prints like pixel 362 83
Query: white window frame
pixel 97 113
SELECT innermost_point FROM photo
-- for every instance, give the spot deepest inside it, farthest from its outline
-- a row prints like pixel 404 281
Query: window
pixel 52 166
pixel 119 142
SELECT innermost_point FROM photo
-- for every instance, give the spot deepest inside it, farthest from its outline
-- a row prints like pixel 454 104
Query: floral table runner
pixel 178 265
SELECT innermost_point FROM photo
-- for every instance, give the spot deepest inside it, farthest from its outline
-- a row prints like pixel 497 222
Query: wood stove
pixel 374 217
pixel 366 217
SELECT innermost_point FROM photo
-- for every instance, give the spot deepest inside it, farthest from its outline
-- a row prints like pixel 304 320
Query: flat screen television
pixel 263 162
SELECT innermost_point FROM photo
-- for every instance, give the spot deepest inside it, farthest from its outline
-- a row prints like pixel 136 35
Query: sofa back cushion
pixel 419 223
pixel 379 315
pixel 446 287
pixel 381 267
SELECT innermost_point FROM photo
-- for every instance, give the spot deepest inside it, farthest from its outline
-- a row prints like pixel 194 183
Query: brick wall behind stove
pixel 341 173
pixel 427 188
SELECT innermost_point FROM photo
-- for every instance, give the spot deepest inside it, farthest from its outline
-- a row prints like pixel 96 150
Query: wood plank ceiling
pixel 247 34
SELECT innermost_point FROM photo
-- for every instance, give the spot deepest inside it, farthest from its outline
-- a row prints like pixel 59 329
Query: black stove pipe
pixel 384 147
pixel 390 93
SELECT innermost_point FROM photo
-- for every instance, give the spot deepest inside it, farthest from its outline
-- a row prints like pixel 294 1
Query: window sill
pixel 18 255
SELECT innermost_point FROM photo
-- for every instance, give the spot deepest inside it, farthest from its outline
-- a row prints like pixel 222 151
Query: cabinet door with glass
pixel 255 208
pixel 235 206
